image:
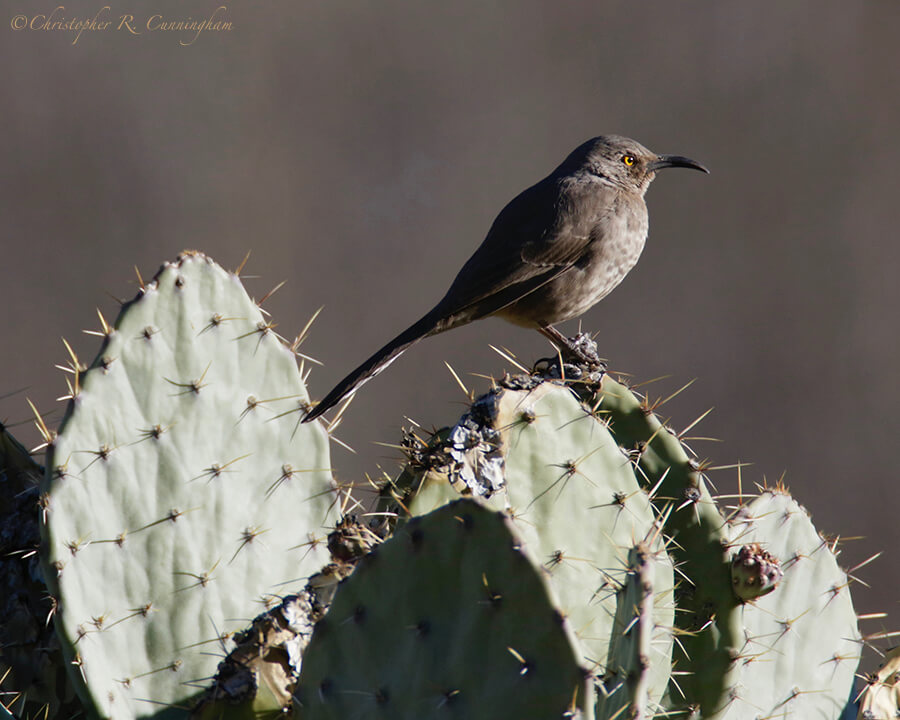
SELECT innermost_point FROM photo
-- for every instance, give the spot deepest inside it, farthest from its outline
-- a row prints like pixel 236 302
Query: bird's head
pixel 623 162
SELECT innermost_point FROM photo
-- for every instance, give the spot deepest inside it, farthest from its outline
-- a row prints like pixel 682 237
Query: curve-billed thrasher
pixel 555 250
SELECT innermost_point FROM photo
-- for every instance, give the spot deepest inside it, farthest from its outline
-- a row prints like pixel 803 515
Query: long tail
pixel 375 364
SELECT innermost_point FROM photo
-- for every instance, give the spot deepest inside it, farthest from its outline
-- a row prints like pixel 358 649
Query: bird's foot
pixel 583 349
pixel 577 358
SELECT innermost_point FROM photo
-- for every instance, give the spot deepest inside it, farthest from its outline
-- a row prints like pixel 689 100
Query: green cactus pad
pixel 446 619
pixel 624 688
pixel 182 491
pixel 801 643
pixel 257 679
pixel 708 620
pixel 572 494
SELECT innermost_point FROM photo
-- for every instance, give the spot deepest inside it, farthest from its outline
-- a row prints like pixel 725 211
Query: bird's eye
pixel 628 160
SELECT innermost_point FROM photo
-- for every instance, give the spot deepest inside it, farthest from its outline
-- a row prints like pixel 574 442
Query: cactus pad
pixel 571 492
pixel 624 689
pixel 182 494
pixel 801 644
pixel 446 619
pixel 707 617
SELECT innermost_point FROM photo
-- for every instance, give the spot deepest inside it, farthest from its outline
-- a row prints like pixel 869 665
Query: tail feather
pixel 374 365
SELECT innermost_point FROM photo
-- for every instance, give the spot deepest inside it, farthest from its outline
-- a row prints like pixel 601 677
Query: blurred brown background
pixel 361 150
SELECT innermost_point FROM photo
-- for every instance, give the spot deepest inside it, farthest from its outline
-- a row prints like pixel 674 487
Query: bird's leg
pixel 580 350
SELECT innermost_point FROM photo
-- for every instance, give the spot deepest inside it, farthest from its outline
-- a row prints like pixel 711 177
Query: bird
pixel 554 251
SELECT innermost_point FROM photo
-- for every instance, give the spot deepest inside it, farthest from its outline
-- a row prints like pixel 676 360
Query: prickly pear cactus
pixel 708 617
pixel 182 496
pixel 755 583
pixel 624 687
pixel 800 642
pixel 764 615
pixel 571 492
pixel 257 678
pixel 445 619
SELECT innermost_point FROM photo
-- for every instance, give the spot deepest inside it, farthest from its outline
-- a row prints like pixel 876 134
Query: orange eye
pixel 628 160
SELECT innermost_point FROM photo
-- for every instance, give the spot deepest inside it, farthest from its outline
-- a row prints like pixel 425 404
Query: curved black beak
pixel 667 161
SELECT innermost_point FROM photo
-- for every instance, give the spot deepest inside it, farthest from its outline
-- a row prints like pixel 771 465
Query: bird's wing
pixel 537 236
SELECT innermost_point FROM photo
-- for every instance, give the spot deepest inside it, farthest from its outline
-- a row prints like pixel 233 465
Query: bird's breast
pixel 616 247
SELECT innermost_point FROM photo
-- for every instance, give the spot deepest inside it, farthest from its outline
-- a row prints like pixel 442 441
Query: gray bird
pixel 554 251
